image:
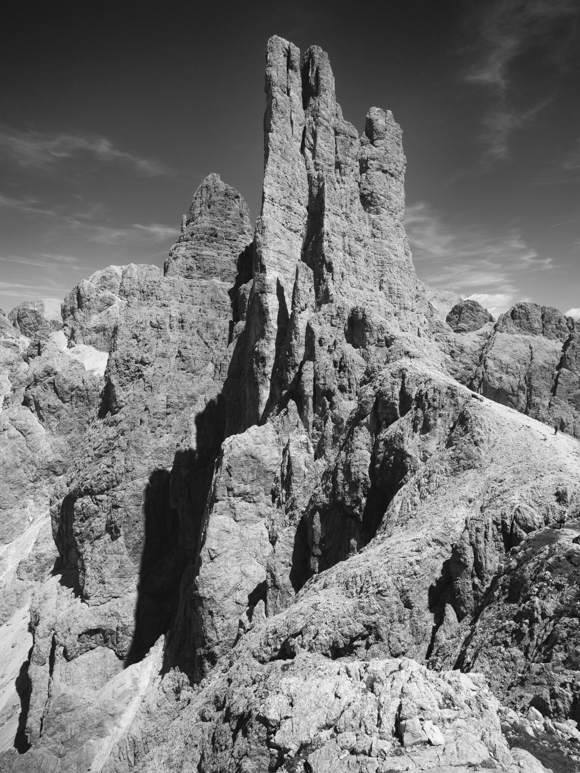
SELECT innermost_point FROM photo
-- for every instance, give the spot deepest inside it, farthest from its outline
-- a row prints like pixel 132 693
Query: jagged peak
pixel 215 231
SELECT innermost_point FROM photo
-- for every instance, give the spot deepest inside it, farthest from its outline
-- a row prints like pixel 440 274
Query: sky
pixel 111 114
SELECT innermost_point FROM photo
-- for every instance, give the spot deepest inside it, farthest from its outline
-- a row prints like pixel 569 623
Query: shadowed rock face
pixel 285 489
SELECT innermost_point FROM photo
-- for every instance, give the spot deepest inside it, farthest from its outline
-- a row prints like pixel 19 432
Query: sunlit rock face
pixel 330 246
pixel 293 492
pixel 529 360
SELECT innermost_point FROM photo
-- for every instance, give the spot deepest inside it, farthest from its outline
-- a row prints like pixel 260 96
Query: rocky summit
pixel 280 506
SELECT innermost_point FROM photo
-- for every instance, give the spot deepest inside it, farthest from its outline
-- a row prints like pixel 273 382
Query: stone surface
pixel 291 476
pixel 468 316
pixel 49 394
pixel 330 246
pixel 528 360
pixel 214 233
pixel 319 715
pixel 37 319
pixel 527 639
pixel 126 516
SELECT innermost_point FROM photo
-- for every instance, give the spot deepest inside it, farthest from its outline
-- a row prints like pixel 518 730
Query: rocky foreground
pixel 278 506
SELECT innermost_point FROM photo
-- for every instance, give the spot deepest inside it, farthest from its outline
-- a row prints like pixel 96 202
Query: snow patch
pixel 93 360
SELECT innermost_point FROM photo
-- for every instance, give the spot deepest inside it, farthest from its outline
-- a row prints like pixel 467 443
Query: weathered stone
pixel 324 715
pixel 329 239
pixel 468 316
pixel 280 493
pixel 49 394
pixel 214 233
pixel 127 517
pixel 37 319
pixel 528 361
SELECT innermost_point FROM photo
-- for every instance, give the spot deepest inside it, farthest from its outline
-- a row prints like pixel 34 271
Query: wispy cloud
pixel 15 289
pixel 43 151
pixel 468 260
pixel 118 236
pixel 26 206
pixel 509 28
pixel 44 260
pixel 86 223
pixel 500 123
pixel 574 313
pixel 572 162
pixel 506 30
pixel 158 232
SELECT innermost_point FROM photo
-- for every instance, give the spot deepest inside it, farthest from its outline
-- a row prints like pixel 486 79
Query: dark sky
pixel 111 114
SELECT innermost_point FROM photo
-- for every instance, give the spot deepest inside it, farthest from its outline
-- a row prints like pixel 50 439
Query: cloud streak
pixel 44 152
pixel 572 162
pixel 17 290
pixel 500 123
pixel 117 236
pixel 468 260
pixel 44 260
pixel 508 29
pixel 27 206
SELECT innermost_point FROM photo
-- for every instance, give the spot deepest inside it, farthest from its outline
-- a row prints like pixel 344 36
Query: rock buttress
pixel 126 518
pixel 331 225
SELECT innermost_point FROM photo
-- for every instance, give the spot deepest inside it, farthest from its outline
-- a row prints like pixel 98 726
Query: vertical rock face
pixel 331 226
pixel 126 517
pixel 48 395
pixel 333 287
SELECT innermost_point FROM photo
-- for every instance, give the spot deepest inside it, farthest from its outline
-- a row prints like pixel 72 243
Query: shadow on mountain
pixel 162 565
pixel 174 503
pixel 24 691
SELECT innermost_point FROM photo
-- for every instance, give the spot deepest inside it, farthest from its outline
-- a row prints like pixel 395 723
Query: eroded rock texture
pixel 468 316
pixel 304 502
pixel 528 360
pixel 330 247
pixel 124 529
pixel 315 714
pixel 49 393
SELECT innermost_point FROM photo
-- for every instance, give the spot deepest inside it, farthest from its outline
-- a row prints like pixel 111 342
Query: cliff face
pixel 329 239
pixel 528 360
pixel 48 394
pixel 291 477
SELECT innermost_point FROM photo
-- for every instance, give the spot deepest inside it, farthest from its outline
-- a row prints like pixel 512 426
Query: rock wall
pixel 529 360
pixel 295 477
pixel 125 529
pixel 330 236
pixel 49 394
